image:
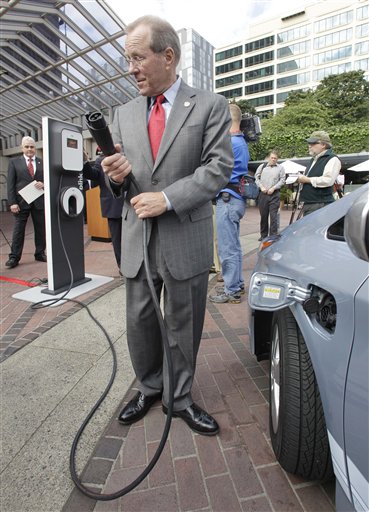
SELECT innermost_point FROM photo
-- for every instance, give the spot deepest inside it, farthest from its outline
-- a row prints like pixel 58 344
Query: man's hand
pixel 39 185
pixel 149 204
pixel 14 208
pixel 303 179
pixel 270 191
pixel 116 166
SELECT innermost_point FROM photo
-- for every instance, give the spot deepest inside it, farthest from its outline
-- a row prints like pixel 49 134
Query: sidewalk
pixel 50 384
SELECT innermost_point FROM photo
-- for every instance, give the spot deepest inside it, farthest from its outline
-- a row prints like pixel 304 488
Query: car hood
pixel 303 251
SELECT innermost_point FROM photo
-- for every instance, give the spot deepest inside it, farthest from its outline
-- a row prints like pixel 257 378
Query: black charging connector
pixel 100 132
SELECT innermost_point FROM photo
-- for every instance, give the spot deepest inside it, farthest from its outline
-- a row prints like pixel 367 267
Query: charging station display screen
pixel 72 143
pixel 72 150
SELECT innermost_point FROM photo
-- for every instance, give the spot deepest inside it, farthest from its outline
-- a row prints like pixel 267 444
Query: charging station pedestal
pixel 64 202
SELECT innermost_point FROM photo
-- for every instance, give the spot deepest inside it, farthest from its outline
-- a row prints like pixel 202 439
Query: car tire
pixel 297 426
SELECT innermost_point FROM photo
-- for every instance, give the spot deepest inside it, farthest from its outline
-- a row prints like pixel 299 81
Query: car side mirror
pixel 356 228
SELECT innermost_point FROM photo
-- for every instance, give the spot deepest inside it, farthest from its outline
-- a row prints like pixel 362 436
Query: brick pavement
pixel 234 471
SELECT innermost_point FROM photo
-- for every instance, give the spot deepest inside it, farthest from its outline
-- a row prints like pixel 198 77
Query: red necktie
pixel 30 168
pixel 156 124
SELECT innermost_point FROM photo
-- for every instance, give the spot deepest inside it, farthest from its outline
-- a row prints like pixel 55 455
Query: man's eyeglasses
pixel 29 147
pixel 135 61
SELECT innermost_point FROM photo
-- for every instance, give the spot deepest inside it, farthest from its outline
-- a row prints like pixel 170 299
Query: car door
pixel 356 409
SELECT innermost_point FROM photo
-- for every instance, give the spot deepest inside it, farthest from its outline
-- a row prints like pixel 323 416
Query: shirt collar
pixel 170 94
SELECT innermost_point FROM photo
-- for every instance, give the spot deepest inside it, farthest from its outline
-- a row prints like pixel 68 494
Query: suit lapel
pixel 183 105
pixel 140 113
pixel 24 168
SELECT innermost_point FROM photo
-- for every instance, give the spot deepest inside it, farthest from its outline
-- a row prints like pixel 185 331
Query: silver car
pixel 309 300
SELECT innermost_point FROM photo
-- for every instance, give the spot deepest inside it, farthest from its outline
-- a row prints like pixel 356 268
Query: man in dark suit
pixel 22 171
pixel 179 177
pixel 111 207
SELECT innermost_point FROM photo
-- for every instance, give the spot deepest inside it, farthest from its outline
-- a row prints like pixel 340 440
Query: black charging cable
pixel 49 302
pixel 101 134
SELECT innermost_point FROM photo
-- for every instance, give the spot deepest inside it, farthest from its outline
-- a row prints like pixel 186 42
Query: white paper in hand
pixel 30 192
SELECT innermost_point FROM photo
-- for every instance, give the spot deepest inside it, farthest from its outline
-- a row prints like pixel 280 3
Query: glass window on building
pixel 362 13
pixel 342 36
pixel 362 64
pixel 282 96
pixel 286 81
pixel 258 59
pixel 263 100
pixel 319 74
pixel 227 54
pixel 231 93
pixel 229 80
pixel 260 43
pixel 293 49
pixel 293 34
pixel 362 30
pixel 362 48
pixel 260 87
pixel 333 21
pixel 226 68
pixel 290 65
pixel 259 73
pixel 331 55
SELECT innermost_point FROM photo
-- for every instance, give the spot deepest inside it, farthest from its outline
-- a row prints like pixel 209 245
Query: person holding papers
pixel 23 171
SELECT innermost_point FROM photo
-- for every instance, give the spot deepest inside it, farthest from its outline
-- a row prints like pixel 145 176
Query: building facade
pixel 294 51
pixel 196 64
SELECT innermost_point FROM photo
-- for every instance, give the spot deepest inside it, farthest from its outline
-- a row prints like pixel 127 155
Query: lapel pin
pixel 186 104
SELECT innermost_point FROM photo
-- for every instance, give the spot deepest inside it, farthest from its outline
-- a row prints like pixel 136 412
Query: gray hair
pixel 28 140
pixel 163 35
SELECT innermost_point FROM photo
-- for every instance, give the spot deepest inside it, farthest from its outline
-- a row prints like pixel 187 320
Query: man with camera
pixel 230 208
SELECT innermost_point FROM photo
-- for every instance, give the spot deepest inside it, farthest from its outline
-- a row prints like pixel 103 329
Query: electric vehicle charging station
pixel 64 202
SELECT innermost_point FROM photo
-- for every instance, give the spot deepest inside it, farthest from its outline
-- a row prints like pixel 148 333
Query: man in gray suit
pixel 23 170
pixel 193 163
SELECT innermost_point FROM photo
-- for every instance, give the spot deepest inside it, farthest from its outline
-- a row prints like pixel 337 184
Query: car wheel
pixel 297 425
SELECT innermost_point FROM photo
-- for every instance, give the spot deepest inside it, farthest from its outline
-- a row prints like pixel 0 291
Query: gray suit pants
pixel 184 311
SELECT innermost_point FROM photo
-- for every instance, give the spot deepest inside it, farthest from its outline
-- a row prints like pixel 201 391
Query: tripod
pixel 295 205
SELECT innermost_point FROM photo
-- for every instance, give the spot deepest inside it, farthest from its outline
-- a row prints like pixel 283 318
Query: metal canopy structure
pixel 60 59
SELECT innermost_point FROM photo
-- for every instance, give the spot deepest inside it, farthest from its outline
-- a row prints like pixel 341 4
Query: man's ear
pixel 169 55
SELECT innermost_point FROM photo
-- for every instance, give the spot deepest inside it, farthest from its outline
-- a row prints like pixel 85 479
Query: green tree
pixel 306 114
pixel 246 107
pixel 298 96
pixel 339 105
pixel 346 96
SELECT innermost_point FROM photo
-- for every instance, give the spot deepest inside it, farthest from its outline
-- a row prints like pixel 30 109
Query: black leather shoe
pixel 197 419
pixel 11 263
pixel 41 257
pixel 137 408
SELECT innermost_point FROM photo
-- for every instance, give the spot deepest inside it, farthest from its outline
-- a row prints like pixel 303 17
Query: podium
pixel 97 225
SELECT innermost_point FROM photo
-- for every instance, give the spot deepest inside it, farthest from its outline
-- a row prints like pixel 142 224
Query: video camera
pixel 250 127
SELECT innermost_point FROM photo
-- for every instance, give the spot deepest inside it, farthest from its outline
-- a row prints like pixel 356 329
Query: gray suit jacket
pixel 194 162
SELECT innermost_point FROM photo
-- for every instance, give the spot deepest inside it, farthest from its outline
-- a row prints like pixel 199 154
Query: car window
pixel 335 231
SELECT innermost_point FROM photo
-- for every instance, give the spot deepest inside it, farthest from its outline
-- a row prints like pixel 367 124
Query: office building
pixel 196 64
pixel 294 51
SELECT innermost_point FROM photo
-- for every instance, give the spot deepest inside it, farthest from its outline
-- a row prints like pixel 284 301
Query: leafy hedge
pixel 291 143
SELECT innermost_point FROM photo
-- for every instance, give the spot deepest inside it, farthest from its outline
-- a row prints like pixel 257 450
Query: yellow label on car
pixel 270 292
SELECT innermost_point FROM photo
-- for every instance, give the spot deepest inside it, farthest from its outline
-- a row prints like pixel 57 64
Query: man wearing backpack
pixel 269 177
